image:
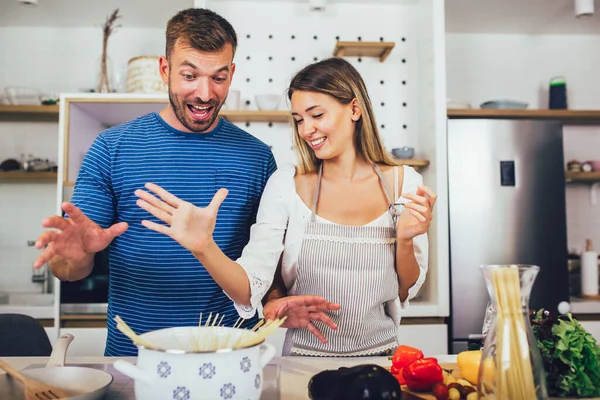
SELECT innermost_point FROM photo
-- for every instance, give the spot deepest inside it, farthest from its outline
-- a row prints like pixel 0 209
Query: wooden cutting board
pixel 408 395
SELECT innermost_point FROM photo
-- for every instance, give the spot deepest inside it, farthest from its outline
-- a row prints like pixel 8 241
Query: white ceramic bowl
pixel 403 153
pixel 505 104
pixel 190 375
pixel 23 96
pixel 267 102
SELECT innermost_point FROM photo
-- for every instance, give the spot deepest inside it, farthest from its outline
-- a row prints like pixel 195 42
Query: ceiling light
pixel 584 8
pixel 30 3
pixel 317 5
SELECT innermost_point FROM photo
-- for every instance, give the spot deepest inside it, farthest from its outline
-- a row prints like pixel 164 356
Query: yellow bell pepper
pixel 468 363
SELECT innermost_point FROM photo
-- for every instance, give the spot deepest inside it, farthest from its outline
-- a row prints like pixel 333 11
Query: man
pixel 187 148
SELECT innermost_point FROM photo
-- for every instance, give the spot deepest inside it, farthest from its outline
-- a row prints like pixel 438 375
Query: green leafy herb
pixel 571 355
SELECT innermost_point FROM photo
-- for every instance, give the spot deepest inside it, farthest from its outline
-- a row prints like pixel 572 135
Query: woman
pixel 338 218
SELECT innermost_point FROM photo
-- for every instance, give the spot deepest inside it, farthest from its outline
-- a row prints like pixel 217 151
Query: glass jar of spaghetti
pixel 511 366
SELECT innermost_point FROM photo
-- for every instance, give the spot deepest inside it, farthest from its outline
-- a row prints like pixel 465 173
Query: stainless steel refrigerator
pixel 507 206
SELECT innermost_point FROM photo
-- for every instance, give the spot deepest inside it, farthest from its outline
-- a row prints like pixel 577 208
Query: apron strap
pixel 395 183
pixel 388 193
pixel 313 215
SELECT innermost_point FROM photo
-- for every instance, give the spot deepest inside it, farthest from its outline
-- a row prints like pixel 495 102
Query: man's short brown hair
pixel 200 28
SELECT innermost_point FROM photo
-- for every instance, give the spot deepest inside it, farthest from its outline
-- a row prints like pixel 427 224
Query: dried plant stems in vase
pixel 104 83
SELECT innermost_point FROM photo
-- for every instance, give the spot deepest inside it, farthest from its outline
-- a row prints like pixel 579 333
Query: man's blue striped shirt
pixel 154 282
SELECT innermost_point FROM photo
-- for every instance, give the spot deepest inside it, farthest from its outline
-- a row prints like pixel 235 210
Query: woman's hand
pixel 301 311
pixel 191 226
pixel 416 218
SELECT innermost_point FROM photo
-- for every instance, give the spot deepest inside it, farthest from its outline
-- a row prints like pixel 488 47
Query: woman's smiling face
pixel 324 123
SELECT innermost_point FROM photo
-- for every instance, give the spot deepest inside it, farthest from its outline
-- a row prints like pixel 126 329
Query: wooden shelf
pixel 417 164
pixel 572 176
pixel 21 176
pixel 43 110
pixel 414 163
pixel 256 116
pixel 363 49
pixel 566 116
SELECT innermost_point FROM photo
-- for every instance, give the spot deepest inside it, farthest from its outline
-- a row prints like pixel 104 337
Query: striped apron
pixel 353 266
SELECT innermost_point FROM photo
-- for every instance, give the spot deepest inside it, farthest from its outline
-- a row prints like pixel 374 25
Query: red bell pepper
pixel 403 356
pixel 421 375
pixel 397 373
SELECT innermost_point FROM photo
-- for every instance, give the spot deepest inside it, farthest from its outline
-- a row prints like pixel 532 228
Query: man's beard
pixel 182 114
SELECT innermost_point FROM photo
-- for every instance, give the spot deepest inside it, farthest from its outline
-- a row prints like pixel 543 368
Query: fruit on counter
pixel 468 364
pixel 440 391
pixel 403 356
pixel 466 391
pixel 453 394
pixel 571 355
pixel 454 391
pixel 422 374
pixel 448 379
pixel 362 382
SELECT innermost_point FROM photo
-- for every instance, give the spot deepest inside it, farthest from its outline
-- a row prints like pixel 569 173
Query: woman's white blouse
pixel 280 222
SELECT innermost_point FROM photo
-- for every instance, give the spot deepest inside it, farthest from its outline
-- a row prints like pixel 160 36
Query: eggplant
pixel 362 382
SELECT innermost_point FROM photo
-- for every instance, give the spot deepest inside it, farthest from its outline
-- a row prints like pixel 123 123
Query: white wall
pixel 482 67
pixel 23 206
pixel 65 59
pixel 51 60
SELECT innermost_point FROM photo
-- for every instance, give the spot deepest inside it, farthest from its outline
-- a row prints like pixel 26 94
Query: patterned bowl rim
pixel 179 351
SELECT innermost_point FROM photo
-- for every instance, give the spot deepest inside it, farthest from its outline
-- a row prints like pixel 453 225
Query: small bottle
pixel 589 270
pixel 558 93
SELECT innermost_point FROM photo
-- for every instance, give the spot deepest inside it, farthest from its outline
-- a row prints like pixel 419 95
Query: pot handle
pixel 59 352
pixel 267 353
pixel 132 371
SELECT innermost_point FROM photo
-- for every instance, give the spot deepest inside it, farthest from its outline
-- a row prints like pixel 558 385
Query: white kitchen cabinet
pixel 432 339
pixel 87 342
pixel 84 116
pixel 593 327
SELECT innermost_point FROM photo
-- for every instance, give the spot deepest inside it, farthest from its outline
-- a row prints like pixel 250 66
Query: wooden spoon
pixel 34 390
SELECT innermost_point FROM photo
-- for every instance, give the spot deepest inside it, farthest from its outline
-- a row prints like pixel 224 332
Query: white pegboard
pixel 276 39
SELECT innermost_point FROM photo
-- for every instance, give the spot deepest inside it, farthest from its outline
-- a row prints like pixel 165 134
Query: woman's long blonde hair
pixel 337 78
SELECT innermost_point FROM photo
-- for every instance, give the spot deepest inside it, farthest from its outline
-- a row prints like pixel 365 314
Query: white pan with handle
pixel 81 383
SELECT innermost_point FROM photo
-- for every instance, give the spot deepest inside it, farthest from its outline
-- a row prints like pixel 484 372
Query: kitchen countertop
pixel 294 372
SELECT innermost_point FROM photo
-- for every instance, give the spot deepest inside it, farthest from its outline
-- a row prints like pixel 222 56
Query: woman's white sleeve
pixel 421 242
pixel 261 255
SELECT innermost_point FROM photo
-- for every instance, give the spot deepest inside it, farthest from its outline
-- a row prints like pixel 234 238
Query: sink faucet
pixel 41 275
